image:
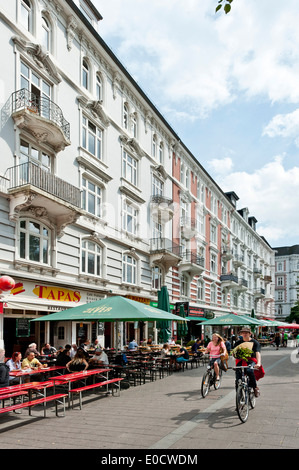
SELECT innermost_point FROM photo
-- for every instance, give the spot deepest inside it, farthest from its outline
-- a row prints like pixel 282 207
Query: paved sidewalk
pixel 171 414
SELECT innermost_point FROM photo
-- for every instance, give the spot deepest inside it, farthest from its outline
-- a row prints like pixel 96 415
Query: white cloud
pixel 271 195
pixel 284 125
pixel 221 166
pixel 189 56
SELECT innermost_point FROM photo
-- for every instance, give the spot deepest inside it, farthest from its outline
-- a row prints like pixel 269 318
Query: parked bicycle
pixel 209 379
pixel 245 396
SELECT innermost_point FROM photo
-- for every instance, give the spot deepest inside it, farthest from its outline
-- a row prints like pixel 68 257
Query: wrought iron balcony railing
pixel 39 105
pixel 28 173
pixel 159 245
pixel 191 257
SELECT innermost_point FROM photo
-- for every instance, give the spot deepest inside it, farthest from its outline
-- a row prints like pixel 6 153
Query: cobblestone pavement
pixel 170 414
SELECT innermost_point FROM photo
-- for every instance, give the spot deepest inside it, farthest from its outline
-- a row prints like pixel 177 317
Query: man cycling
pixel 255 358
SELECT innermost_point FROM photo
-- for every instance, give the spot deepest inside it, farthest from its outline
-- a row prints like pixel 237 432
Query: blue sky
pixel 229 87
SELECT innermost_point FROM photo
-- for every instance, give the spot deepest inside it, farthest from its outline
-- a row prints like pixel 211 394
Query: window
pixel 280 281
pixel 34 242
pixel 99 88
pixel 200 290
pixel 182 173
pixel 125 117
pixel 46 34
pixel 130 218
pixel 92 138
pixel 26 14
pixel 85 74
pixel 184 286
pixel 29 153
pixel 160 154
pixel 61 332
pixel 213 233
pixel 154 146
pixel 91 258
pixel 187 178
pixel 213 294
pixel 36 85
pixel 91 197
pixel 157 187
pixel 280 295
pixel 157 230
pixel 134 125
pixel 213 263
pixel 129 269
pixel 156 278
pixel 129 168
pixel 200 223
pixel 279 266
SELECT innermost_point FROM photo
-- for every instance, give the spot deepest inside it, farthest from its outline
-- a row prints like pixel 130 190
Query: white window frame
pixel 91 249
pixel 91 131
pixel 92 190
pixel 157 275
pixel 130 168
pixel 129 269
pixel 130 217
pixel 41 235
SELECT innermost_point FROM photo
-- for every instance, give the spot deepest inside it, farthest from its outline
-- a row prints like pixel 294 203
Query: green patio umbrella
pixel 231 320
pixel 164 325
pixel 111 309
pixel 182 325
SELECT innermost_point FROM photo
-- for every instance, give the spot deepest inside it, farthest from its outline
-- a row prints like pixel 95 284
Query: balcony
pixel 41 117
pixel 31 188
pixel 228 281
pixel 191 263
pixel 188 227
pixel 238 260
pixel 164 252
pixel 162 209
pixel 226 253
pixel 259 293
pixel 242 285
pixel 257 272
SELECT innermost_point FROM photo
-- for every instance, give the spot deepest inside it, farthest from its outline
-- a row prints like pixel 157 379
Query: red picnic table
pixel 23 373
pixel 79 376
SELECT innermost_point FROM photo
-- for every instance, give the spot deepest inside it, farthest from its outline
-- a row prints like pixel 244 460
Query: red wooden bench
pixel 39 401
pixel 95 385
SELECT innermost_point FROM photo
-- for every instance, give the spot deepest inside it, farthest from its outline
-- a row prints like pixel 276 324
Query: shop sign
pixel 57 294
pixel 146 301
pixel 196 312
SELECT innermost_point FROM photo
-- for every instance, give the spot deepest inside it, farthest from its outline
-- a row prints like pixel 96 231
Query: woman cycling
pixel 216 348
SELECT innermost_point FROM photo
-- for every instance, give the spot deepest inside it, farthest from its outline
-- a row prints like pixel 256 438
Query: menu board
pixel 22 327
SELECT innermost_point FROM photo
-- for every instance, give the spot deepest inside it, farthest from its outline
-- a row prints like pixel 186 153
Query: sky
pixel 229 87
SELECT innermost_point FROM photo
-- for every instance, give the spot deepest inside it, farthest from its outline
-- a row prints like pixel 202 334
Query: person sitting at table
pixel 171 341
pixel 133 346
pixel 73 350
pixel 64 356
pixel 4 370
pixel 31 362
pixel 78 363
pixel 32 348
pixel 14 364
pixel 181 356
pixel 196 346
pixel 48 350
pixel 100 358
pixel 84 346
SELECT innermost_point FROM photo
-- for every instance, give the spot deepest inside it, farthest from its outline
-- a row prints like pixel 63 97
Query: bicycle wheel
pixel 217 383
pixel 242 403
pixel 252 399
pixel 205 384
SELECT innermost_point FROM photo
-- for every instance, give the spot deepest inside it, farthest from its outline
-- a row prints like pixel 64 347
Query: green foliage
pixel 190 343
pixel 226 6
pixel 241 353
pixel 294 315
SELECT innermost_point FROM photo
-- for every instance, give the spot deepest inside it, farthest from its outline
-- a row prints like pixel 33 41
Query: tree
pixel 226 6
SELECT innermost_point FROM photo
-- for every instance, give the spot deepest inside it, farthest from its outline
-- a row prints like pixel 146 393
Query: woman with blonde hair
pixel 216 348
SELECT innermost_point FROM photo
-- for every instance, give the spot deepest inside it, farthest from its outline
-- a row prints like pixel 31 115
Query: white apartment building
pixel 286 279
pixel 87 177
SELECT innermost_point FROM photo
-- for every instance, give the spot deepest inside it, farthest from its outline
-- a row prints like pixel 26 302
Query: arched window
pixel 184 285
pixel 156 277
pixel 85 74
pixel 125 116
pixel 46 34
pixel 129 269
pixel 26 14
pixel 91 258
pixel 200 289
pixel 35 241
pixel 99 88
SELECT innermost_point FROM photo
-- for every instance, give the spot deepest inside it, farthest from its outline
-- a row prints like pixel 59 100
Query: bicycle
pixel 209 379
pixel 244 394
